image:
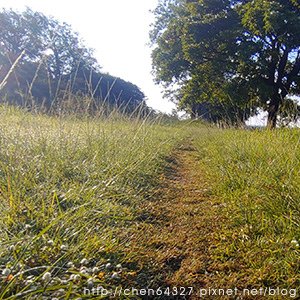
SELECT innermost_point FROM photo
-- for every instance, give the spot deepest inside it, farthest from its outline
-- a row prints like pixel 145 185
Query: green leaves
pixel 56 67
pixel 215 48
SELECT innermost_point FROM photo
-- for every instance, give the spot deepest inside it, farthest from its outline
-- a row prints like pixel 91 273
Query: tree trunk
pixel 273 111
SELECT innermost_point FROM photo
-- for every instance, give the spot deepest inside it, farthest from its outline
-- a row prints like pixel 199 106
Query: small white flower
pixel 6 272
pixel 295 242
pixel 72 277
pixel 108 266
pixel 12 248
pixel 47 277
pixel 77 277
pixel 90 283
pixel 70 264
pixel 83 271
pixel 95 270
pixel 61 292
pixel 119 266
pixel 84 262
pixel 115 275
pixel 63 282
pixel 50 242
pixel 63 247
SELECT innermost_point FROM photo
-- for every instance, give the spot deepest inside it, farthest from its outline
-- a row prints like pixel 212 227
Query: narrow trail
pixel 178 230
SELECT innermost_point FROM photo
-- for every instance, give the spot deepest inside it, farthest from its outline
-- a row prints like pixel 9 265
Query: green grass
pixel 73 188
pixel 69 189
pixel 257 176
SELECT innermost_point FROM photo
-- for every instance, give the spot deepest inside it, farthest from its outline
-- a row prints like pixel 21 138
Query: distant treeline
pixel 43 62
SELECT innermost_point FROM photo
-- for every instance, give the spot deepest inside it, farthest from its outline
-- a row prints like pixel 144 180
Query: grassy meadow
pixel 256 176
pixel 71 189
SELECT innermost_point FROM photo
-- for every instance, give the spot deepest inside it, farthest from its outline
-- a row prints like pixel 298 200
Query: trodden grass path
pixel 179 227
pixel 181 234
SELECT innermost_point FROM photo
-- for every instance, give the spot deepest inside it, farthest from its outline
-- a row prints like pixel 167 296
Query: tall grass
pixel 69 187
pixel 257 177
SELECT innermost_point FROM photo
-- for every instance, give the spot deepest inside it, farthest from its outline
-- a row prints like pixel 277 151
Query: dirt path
pixel 176 234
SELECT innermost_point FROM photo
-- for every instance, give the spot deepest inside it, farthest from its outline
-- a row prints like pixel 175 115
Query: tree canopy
pixel 231 57
pixel 53 63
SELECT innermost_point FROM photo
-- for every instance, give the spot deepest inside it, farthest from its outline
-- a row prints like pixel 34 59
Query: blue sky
pixel 117 30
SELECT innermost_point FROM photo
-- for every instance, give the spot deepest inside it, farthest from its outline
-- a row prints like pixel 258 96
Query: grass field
pixel 68 187
pixel 88 202
pixel 257 176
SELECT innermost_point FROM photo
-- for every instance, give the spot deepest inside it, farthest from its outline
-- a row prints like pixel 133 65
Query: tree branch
pixel 282 65
pixel 291 76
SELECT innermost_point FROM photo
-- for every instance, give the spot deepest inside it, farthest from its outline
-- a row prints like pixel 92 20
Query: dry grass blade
pixel 14 65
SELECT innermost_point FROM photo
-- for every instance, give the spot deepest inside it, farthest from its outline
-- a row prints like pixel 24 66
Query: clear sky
pixel 117 30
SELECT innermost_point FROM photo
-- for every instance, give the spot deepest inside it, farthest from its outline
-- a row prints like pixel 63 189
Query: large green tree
pixel 52 51
pixel 53 63
pixel 241 55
